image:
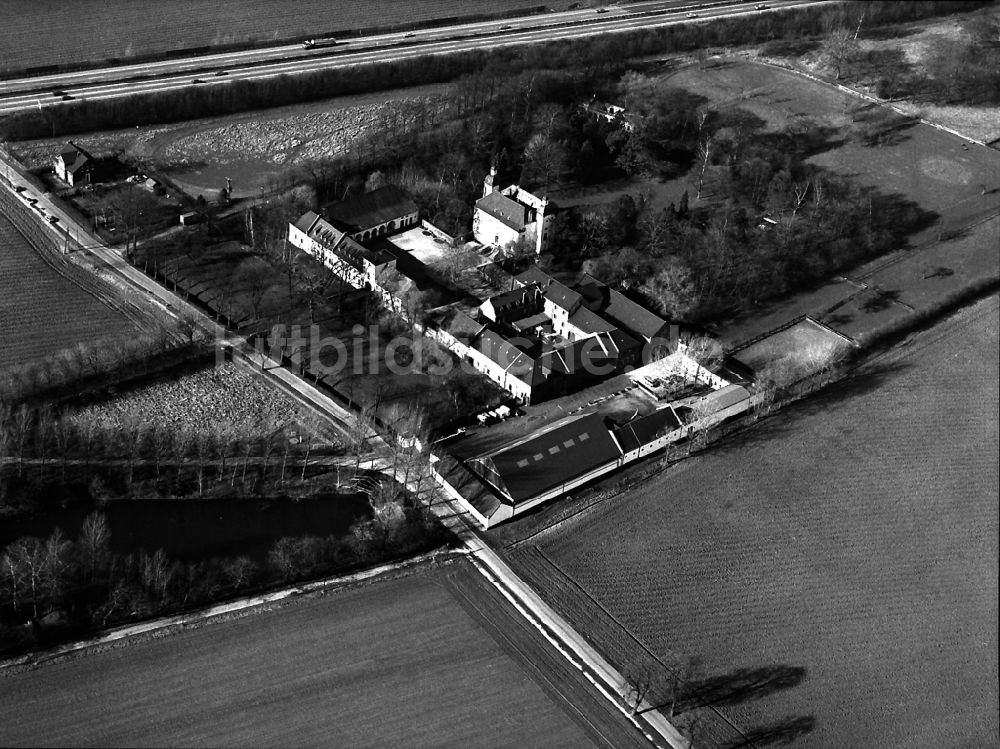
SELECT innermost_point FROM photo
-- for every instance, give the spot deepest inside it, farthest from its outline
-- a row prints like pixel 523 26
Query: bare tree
pixel 94 543
pixel 21 423
pixel 839 48
pixel 638 682
pixel 706 351
pixel 256 278
pixel 704 156
pixel 182 439
pixel 801 190
pixel 239 571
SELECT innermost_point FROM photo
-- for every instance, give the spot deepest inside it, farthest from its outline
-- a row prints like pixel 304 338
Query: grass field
pixel 95 30
pixel 921 164
pixel 413 662
pixel 915 40
pixel 802 344
pixel 834 569
pixel 42 310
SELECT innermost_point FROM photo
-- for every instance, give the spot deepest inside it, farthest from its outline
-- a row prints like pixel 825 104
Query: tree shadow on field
pixel 741 685
pixel 782 733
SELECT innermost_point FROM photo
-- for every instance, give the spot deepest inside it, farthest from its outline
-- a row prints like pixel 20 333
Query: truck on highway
pixel 314 43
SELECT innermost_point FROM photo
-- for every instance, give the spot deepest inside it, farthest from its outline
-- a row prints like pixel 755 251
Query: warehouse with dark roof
pixel 549 463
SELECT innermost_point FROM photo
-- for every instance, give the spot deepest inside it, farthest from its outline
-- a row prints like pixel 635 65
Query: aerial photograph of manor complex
pixel 453 373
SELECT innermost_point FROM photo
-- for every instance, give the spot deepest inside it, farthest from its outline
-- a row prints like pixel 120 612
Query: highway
pixel 217 70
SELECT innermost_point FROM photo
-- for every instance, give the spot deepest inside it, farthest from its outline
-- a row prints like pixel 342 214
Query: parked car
pixel 52 219
pixel 19 188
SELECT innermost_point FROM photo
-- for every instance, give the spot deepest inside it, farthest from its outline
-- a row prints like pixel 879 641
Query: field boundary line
pixel 164 626
pixel 632 636
pixel 566 651
pixel 529 664
pixel 867 97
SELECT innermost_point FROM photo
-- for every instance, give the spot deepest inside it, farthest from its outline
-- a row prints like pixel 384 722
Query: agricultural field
pixel 43 308
pixel 73 35
pixel 430 659
pixel 830 576
pixel 203 401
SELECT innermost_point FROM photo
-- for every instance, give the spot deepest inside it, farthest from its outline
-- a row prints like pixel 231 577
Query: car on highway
pixel 67 97
pixel 220 72
pixel 602 10
pixel 760 6
pixel 692 15
pixel 197 80
pixel 409 35
pixel 505 27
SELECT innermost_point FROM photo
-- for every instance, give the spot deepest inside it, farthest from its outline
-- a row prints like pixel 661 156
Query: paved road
pixel 111 83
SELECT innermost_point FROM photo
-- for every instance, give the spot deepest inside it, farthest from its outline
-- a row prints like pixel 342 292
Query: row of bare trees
pixel 109 358
pixel 133 456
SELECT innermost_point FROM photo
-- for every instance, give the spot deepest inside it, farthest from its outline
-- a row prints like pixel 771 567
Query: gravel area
pixel 203 401
pixel 289 139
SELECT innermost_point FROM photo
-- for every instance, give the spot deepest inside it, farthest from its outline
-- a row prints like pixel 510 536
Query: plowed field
pixel 413 662
pixel 834 570
pixel 42 311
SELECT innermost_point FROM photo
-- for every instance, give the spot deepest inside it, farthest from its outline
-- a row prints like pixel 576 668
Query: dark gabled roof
pixel 341 244
pixel 305 223
pixel 502 208
pixel 371 208
pixel 530 322
pixel 74 157
pixel 543 461
pixel 461 326
pixel 646 429
pixel 323 232
pixel 617 343
pixel 633 316
pixel 468 485
pixel 562 296
pixel 602 299
pixel 515 362
pixel 534 275
pixel 589 322
pixel 595 293
pixel 513 298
